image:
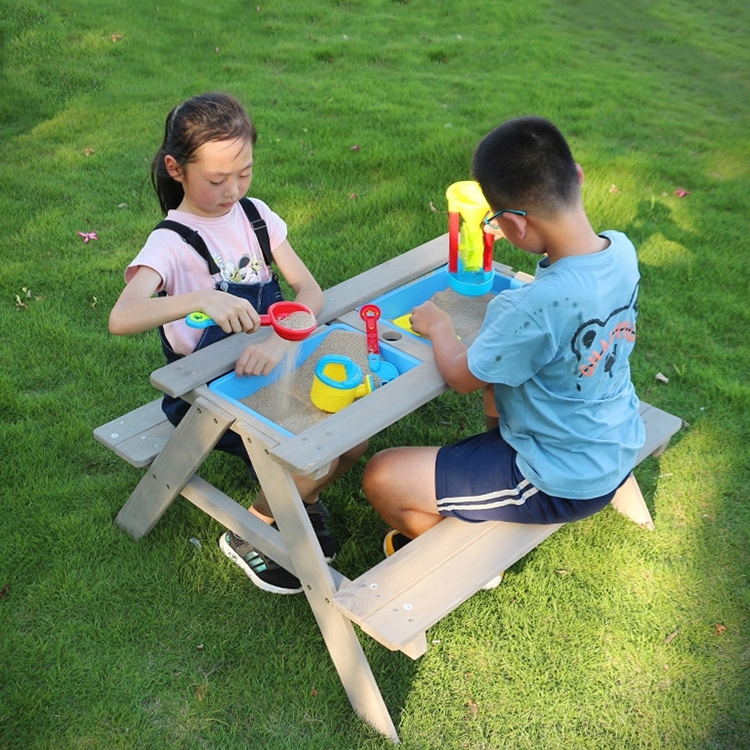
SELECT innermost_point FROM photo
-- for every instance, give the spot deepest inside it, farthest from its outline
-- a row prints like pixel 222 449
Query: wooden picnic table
pixel 397 600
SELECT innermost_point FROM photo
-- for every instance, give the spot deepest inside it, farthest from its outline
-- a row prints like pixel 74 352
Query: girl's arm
pixel 450 354
pixel 260 359
pixel 138 310
pixel 298 276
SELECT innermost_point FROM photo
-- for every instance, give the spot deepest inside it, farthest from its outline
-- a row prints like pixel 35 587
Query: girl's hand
pixel 233 314
pixel 427 316
pixel 260 359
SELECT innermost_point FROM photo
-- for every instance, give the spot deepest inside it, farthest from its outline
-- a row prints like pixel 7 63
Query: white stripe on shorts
pixel 498 499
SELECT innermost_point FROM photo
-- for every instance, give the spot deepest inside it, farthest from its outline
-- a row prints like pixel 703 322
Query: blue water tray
pixel 234 388
pixel 402 301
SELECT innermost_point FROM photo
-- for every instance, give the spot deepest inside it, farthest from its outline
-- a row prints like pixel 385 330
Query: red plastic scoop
pixel 292 321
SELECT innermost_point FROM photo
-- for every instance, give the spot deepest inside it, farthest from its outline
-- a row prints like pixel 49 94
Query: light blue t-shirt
pixel 557 353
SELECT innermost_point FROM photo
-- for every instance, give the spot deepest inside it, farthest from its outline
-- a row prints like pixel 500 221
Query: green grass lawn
pixel 606 636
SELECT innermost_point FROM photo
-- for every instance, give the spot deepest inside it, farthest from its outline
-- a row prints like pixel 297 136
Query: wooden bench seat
pixel 138 436
pixel 400 598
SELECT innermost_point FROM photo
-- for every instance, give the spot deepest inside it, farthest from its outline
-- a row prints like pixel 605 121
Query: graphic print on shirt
pixel 597 343
pixel 247 270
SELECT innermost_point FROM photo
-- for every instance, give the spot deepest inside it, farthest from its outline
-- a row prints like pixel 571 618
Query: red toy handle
pixel 454 224
pixel 370 314
pixel 489 242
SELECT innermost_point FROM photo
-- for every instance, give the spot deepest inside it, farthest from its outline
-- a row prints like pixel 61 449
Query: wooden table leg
pixel 316 577
pixel 629 501
pixel 193 439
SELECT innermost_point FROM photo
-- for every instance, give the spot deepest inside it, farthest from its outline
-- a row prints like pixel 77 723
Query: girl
pixel 201 174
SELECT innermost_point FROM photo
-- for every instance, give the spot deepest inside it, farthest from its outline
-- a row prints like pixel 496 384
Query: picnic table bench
pixel 397 600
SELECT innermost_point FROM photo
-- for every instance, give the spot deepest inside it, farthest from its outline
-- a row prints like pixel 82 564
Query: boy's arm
pixel 450 354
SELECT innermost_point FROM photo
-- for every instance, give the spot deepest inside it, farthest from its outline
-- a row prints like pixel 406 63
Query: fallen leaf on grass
pixel 472 706
pixel 719 629
pixel 671 637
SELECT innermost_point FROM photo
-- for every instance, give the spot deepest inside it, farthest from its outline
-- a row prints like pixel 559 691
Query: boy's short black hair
pixel 526 164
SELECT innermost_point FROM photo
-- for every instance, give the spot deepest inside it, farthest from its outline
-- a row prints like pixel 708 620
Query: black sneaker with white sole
pixel 261 570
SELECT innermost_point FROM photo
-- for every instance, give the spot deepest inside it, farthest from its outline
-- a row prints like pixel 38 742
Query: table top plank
pixel 384 277
pixel 319 444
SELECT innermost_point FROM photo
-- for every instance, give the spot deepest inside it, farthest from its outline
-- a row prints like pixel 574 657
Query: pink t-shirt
pixel 233 245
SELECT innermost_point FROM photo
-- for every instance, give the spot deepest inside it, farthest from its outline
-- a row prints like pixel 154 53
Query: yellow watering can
pixel 337 382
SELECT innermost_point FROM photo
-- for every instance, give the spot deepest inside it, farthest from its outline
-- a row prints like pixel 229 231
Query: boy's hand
pixel 260 359
pixel 233 314
pixel 427 316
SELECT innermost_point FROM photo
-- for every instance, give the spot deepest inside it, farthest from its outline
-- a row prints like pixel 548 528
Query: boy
pixel 564 428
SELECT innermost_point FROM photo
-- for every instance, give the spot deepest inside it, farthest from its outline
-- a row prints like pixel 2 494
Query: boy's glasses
pixel 490 221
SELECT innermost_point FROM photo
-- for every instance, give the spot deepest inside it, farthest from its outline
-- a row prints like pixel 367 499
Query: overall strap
pixel 259 227
pixel 193 239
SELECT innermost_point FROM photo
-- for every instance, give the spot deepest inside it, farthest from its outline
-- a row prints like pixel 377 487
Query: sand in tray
pixel 286 402
pixel 467 313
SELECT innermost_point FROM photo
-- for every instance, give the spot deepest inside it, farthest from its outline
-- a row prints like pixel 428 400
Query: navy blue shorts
pixel 477 479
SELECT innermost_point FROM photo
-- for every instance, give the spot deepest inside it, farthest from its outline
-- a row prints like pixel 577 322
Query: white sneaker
pixel 494 583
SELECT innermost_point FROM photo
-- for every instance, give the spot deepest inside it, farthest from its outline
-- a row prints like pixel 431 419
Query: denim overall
pixel 260 296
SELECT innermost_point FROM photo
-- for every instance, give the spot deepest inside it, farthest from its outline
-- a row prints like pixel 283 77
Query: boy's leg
pixel 400 484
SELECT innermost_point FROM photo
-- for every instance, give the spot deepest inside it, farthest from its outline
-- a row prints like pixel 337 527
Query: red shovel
pixel 384 370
